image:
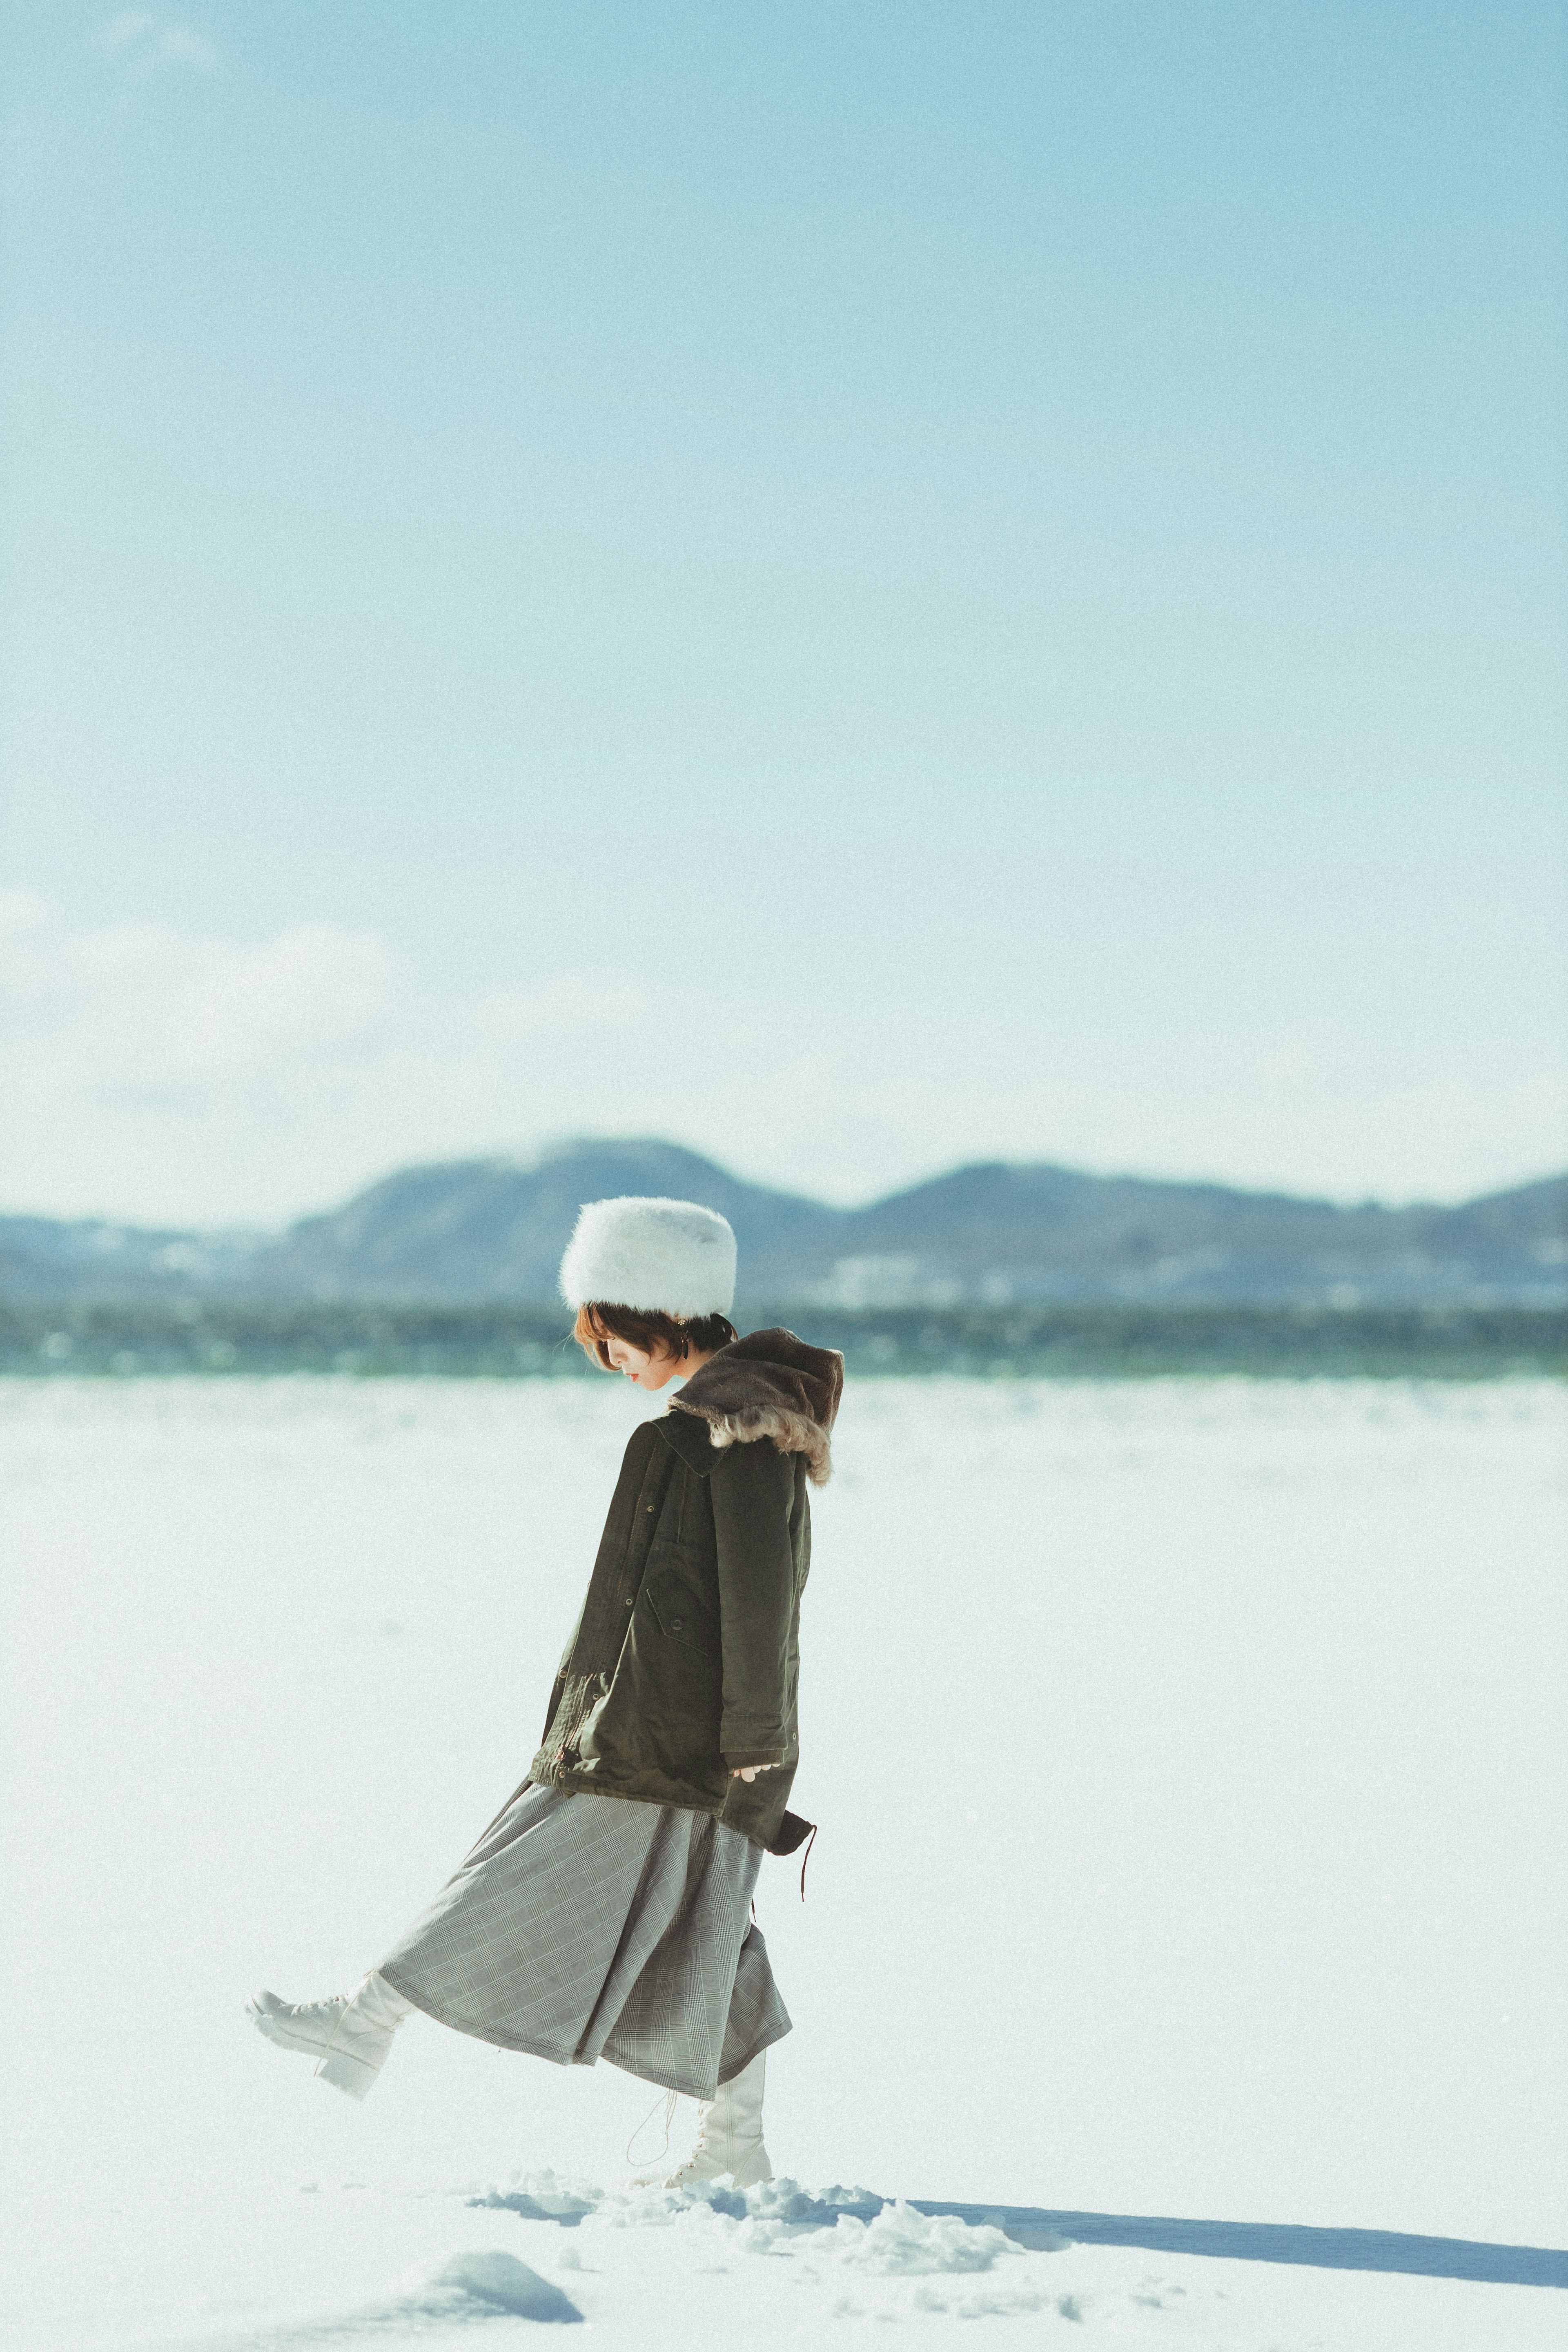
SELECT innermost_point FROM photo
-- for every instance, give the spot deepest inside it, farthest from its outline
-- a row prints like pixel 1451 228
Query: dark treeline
pixel 229 1337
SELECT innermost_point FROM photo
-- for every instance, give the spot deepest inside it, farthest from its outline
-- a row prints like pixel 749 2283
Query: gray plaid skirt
pixel 582 1928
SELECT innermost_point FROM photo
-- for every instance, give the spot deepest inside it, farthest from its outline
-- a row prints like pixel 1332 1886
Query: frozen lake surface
pixel 1190 1764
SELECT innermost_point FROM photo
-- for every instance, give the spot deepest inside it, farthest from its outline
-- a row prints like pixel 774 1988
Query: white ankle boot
pixel 730 2137
pixel 350 2036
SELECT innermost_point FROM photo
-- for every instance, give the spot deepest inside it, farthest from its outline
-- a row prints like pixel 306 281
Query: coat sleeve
pixel 752 1488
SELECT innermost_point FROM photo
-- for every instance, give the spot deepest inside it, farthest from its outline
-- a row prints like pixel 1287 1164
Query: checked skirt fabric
pixel 582 1928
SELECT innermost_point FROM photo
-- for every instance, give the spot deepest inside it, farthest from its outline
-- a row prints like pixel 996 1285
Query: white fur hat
pixel 668 1257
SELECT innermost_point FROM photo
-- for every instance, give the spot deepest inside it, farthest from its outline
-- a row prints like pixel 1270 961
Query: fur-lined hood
pixel 769 1384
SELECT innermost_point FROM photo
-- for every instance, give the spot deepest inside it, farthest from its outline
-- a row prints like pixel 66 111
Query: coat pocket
pixel 683 1614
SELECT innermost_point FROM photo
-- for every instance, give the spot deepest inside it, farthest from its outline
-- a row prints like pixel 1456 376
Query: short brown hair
pixel 648 1328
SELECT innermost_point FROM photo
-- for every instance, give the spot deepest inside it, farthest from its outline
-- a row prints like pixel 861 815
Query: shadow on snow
pixel 1277 2242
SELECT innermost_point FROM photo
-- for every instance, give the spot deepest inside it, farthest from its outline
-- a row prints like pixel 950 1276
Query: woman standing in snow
pixel 604 1911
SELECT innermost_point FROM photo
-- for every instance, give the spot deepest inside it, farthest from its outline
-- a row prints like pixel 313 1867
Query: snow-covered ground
pixel 1190 1768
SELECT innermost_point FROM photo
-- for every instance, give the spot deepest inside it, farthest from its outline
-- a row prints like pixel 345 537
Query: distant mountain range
pixel 476 1232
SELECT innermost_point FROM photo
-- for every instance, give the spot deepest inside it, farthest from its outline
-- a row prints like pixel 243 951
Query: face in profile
pixel 646 1372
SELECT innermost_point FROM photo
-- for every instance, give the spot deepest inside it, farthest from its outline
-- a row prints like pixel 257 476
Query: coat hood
pixel 769 1384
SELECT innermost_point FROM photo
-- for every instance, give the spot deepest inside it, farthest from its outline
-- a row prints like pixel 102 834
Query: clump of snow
pixel 558 2191
pixel 484 2285
pixel 786 2200
pixel 879 2237
pixel 854 2226
pixel 543 2197
pixel 451 2289
pixel 900 2242
pixel 648 2207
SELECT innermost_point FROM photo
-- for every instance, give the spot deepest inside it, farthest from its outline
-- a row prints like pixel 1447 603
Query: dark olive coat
pixel 685 1662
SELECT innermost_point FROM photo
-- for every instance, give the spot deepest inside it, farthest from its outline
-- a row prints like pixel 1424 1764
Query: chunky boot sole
pixel 748 2172
pixel 345 2070
pixel 351 2049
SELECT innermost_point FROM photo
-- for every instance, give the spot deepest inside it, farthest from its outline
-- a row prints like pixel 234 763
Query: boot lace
pixel 645 2163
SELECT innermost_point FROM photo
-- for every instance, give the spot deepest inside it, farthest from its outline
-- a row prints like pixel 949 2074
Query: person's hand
pixel 750 1771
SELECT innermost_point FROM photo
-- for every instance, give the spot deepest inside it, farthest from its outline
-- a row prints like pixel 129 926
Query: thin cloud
pixel 145 43
pixel 164 1073
pixel 128 26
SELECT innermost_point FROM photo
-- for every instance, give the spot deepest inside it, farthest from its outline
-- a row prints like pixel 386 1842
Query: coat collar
pixel 687 1434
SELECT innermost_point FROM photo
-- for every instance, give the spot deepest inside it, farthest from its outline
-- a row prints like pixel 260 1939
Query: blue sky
pixel 860 587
